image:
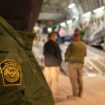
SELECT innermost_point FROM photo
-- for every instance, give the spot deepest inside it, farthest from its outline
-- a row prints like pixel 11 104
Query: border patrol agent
pixel 21 79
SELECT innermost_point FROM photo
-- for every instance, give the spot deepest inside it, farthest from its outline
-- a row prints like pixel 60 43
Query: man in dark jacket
pixel 21 79
pixel 52 54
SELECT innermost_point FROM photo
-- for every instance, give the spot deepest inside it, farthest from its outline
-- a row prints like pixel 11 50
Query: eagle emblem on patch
pixel 11 73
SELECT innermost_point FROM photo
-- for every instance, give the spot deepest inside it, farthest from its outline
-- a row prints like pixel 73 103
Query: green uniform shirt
pixel 21 79
pixel 76 52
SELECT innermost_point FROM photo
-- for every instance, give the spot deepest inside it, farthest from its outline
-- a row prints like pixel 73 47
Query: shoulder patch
pixel 11 73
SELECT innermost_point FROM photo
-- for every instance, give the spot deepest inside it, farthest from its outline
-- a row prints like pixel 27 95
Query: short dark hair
pixel 76 36
pixel 52 33
pixel 77 30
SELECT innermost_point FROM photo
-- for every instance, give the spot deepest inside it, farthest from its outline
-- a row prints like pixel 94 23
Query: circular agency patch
pixel 11 73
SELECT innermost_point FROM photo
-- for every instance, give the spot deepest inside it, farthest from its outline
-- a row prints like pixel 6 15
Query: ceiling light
pixel 76 17
pixel 87 14
pixel 63 24
pixel 71 5
pixel 99 9
pixel 69 22
pixel 49 30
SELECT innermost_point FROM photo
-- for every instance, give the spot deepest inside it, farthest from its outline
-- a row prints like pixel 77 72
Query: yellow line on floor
pixel 93 65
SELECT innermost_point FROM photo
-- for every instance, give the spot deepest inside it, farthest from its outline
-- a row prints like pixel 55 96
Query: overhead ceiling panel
pixel 49 16
pixel 89 5
pixel 56 8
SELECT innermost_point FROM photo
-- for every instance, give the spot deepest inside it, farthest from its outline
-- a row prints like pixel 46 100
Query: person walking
pixel 75 55
pixel 52 56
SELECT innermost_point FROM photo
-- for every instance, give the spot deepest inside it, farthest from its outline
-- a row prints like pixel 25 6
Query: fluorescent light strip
pixel 99 9
pixel 69 22
pixel 71 5
pixel 87 14
pixel 63 24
